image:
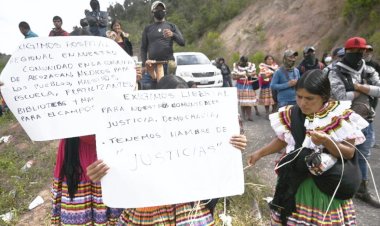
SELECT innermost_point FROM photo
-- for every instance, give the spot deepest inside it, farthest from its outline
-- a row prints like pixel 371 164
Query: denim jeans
pixel 227 81
pixel 365 150
pixel 284 103
pixel 373 135
pixel 147 82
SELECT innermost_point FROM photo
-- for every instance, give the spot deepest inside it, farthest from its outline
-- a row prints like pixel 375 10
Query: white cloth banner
pixel 169 146
pixel 51 83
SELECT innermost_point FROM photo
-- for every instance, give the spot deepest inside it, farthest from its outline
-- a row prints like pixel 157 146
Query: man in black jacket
pixel 226 72
pixel 158 38
pixel 309 61
pixel 97 19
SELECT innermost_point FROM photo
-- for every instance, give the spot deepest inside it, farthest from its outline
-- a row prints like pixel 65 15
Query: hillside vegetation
pixel 269 27
pixel 257 27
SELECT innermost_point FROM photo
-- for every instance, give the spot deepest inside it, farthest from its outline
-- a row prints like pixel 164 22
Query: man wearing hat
pixel 337 55
pixel 351 79
pixel 368 57
pixel 57 30
pixel 158 39
pixel 284 80
pixel 309 61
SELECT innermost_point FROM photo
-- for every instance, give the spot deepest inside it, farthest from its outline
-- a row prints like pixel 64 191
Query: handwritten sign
pixel 169 146
pixel 51 83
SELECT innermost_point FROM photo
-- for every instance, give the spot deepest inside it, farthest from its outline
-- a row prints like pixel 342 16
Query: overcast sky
pixel 39 14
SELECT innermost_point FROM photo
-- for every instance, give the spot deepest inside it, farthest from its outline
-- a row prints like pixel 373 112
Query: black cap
pixel 338 52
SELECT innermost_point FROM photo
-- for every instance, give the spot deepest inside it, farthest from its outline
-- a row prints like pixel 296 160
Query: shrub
pixel 257 58
pixel 212 45
pixel 358 8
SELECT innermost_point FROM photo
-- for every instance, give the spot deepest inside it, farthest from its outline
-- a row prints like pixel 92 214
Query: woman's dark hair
pixel 243 59
pixel 267 56
pixel 71 168
pixel 315 82
pixel 24 25
pixel 114 21
pixel 243 62
pixel 172 82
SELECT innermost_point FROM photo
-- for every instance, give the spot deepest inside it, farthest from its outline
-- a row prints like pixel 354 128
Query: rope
pixel 227 220
pixel 225 206
pixel 369 167
pixel 193 212
pixel 297 150
pixel 340 180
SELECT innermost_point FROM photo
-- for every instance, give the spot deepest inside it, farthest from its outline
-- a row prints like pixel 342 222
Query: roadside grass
pixel 5 120
pixel 249 208
pixel 18 187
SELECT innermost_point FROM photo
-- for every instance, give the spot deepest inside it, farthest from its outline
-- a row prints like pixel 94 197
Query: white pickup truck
pixel 196 67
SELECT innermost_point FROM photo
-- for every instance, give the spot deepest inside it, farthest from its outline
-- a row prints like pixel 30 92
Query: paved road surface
pixel 259 133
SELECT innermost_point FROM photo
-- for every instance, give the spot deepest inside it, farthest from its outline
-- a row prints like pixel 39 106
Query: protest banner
pixel 50 83
pixel 168 146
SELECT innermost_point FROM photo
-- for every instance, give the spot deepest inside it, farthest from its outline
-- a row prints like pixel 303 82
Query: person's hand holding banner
pixel 168 146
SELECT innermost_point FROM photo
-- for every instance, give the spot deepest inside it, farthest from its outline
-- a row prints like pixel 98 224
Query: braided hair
pixel 71 168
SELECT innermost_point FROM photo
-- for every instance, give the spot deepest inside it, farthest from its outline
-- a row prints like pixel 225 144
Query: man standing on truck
pixel 157 40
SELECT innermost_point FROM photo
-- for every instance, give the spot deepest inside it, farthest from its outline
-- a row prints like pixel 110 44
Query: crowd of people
pixel 76 189
pixel 325 120
pixel 322 112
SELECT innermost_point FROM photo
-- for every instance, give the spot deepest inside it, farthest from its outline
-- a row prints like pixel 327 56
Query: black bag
pixel 274 95
pixel 255 84
pixel 351 179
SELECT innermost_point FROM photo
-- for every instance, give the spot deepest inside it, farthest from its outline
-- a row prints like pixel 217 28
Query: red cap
pixel 355 43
